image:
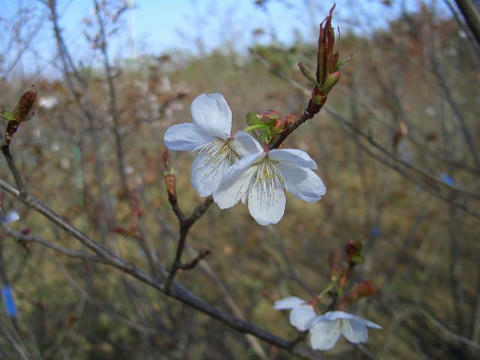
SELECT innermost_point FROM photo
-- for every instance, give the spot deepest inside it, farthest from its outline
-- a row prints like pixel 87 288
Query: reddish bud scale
pixel 25 231
pixel 353 251
pixel 12 128
pixel 343 279
pixel 25 104
pixel 317 101
pixel 271 115
pixel 363 289
pixel 166 159
pixel 20 113
pixel 171 182
pixel 326 41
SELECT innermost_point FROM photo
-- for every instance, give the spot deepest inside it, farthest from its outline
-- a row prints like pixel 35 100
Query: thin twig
pixel 184 224
pixel 113 100
pixel 13 169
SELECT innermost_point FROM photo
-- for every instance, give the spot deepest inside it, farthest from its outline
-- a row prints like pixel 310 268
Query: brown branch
pixel 25 239
pixel 472 17
pixel 13 169
pixel 201 255
pixel 184 224
pixel 284 134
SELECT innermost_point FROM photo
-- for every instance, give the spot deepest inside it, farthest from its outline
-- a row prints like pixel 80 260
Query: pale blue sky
pixel 196 25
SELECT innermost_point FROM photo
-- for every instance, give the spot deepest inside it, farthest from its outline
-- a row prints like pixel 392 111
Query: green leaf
pixel 7 115
pixel 342 62
pixel 330 82
pixel 252 119
pixel 256 127
pixel 308 73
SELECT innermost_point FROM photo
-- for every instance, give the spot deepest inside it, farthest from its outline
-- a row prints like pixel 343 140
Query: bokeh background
pixel 396 145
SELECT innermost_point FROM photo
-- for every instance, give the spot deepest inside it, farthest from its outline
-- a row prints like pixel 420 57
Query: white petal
pixel 11 217
pixel 335 315
pixel 235 182
pixel 206 175
pixel 287 303
pixel 212 114
pixel 294 157
pixel 302 183
pixel 354 330
pixel 245 144
pixel 301 316
pixel 367 322
pixel 266 205
pixel 324 334
pixel 185 137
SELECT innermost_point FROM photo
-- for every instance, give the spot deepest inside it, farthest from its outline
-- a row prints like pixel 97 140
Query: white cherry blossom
pixel 302 313
pixel 326 329
pixel 209 134
pixel 261 178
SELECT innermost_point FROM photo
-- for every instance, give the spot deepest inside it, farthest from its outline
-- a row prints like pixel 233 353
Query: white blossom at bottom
pixel 326 329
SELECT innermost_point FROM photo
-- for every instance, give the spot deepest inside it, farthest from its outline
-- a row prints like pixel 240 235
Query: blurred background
pixel 396 145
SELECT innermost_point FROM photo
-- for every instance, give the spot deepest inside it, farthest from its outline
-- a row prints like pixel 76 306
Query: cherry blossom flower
pixel 209 134
pixel 301 314
pixel 326 329
pixel 261 176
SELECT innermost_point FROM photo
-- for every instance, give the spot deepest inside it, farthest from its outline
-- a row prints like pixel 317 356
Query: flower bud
pixel 308 74
pixel 168 172
pixel 354 252
pixel 363 289
pixel 331 81
pixel 25 104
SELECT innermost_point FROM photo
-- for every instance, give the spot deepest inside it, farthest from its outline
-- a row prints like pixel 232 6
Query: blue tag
pixel 9 302
pixel 447 179
pixel 375 231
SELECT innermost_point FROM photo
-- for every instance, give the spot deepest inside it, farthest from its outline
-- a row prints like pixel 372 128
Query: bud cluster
pixel 21 113
pixel 269 124
pixel 328 66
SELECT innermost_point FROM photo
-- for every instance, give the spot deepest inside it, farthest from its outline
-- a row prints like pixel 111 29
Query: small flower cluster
pixel 325 330
pixel 237 167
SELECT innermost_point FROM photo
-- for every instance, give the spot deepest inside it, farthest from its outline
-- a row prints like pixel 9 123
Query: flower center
pixel 268 180
pixel 219 153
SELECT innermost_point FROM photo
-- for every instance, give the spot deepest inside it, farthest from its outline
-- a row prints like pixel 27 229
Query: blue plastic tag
pixel 9 302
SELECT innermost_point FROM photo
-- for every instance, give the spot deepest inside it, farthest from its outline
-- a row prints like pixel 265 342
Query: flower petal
pixel 335 315
pixel 287 303
pixel 294 157
pixel 235 182
pixel 206 175
pixel 212 114
pixel 266 202
pixel 302 183
pixel 185 137
pixel 324 334
pixel 354 330
pixel 301 316
pixel 367 323
pixel 245 144
pixel 11 217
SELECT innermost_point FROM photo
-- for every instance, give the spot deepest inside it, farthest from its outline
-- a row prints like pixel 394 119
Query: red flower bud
pixel 25 104
pixel 363 289
pixel 354 252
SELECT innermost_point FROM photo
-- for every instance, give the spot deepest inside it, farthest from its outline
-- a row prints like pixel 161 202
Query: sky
pixel 198 26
